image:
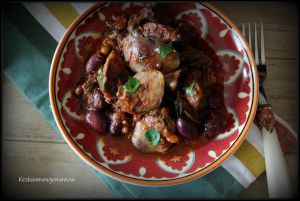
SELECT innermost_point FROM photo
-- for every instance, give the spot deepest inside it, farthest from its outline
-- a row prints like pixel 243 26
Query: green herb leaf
pixel 189 89
pixel 152 136
pixel 165 49
pixel 132 85
pixel 100 78
pixel 142 57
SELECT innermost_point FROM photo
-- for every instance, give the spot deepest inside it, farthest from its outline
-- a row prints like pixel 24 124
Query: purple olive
pixel 93 64
pixel 187 128
pixel 97 120
pixel 98 99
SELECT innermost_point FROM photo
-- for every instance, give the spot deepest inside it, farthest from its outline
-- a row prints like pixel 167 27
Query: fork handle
pixel 277 174
pixel 262 74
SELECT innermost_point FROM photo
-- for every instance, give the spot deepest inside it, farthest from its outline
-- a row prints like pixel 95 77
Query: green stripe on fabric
pixel 31 30
pixel 224 183
pixel 217 184
pixel 26 64
pixel 64 12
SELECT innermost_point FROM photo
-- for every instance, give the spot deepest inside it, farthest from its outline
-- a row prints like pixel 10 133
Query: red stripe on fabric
pixel 285 137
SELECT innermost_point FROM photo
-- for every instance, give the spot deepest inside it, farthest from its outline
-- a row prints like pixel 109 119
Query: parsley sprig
pixel 165 49
pixel 152 136
pixel 132 85
pixel 189 89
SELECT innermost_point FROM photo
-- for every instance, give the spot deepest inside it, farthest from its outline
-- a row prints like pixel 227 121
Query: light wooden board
pixel 24 159
pixel 31 148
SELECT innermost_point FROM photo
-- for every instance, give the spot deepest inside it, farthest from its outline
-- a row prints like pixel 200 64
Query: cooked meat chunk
pixel 185 108
pixel 87 88
pixel 136 49
pixel 90 83
pixel 195 97
pixel 161 122
pixel 106 46
pixel 195 93
pixel 159 32
pixel 152 78
pixel 170 63
pixel 114 66
pixel 113 70
pixel 147 97
pixel 117 22
pixel 141 53
pixel 169 125
pixel 171 79
pixel 145 14
pixel 139 141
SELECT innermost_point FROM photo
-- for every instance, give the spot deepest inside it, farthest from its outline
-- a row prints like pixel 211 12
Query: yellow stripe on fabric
pixel 251 158
pixel 64 12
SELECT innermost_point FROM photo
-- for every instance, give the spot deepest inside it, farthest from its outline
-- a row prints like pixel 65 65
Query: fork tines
pixel 262 60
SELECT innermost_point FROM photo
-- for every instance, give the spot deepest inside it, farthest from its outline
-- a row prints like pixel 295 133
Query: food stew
pixel 154 80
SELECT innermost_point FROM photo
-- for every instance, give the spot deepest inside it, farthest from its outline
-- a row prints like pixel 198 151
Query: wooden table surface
pixel 31 148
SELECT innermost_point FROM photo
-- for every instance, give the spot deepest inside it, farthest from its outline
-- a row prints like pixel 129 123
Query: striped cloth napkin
pixel 31 32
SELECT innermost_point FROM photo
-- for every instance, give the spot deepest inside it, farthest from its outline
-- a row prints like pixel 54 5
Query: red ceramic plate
pixel 118 158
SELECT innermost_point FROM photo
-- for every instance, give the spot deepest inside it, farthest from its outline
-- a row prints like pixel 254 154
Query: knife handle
pixel 277 174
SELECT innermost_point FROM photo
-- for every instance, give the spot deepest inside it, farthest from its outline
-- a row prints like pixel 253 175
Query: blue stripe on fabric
pixel 217 184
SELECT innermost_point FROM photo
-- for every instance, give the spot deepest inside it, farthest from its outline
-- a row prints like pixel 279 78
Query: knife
pixel 278 180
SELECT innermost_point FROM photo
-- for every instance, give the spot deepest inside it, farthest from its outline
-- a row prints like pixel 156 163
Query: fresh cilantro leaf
pixel 100 78
pixel 152 136
pixel 132 85
pixel 165 49
pixel 142 57
pixel 189 89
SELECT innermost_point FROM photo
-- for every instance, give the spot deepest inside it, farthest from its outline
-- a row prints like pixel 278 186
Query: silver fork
pixel 277 175
pixel 260 63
